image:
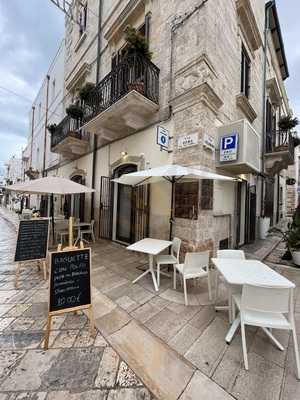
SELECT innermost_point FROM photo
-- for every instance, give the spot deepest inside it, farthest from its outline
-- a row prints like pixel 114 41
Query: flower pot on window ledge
pixel 137 86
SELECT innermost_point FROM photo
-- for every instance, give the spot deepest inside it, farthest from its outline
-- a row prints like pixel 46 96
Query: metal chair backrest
pixel 194 262
pixel 267 299
pixel 232 254
pixel 175 249
pixel 92 225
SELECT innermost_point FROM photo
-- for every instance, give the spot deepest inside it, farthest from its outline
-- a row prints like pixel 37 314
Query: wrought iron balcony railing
pixel 278 140
pixel 133 73
pixel 68 127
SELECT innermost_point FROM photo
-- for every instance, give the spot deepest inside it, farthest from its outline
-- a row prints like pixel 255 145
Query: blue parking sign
pixel 229 147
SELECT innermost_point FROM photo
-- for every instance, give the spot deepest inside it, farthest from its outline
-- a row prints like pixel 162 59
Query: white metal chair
pixel 267 307
pixel 89 231
pixel 61 230
pixel 196 265
pixel 168 259
pixel 234 255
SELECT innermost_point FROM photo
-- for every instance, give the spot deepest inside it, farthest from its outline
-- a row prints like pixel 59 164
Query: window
pixel 186 200
pixel 245 73
pixel 207 194
pixel 83 19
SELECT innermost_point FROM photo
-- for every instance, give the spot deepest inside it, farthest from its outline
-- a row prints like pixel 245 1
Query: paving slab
pixel 29 373
pixel 261 381
pixel 165 324
pixel 129 394
pixel 87 395
pixel 74 369
pixel 210 347
pixel 112 321
pixel 108 369
pixel 201 387
pixel 161 369
pixel 184 339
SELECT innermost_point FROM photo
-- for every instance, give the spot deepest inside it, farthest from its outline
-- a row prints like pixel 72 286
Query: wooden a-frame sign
pixel 69 285
pixel 32 244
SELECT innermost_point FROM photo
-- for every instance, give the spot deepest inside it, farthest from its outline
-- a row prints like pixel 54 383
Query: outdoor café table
pixel 152 247
pixel 251 272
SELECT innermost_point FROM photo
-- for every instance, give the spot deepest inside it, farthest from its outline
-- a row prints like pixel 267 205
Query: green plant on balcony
pixel 85 91
pixel 51 128
pixel 287 123
pixel 136 43
pixel 75 111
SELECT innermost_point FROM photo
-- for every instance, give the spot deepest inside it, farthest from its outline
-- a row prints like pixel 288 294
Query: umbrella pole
pixel 70 232
pixel 52 217
pixel 172 210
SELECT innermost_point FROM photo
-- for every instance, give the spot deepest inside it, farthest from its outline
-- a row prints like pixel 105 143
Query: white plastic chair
pixel 89 231
pixel 196 265
pixel 266 307
pixel 234 255
pixel 168 259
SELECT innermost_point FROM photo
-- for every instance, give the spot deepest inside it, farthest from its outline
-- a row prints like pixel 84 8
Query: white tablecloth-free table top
pixel 150 246
pixel 252 272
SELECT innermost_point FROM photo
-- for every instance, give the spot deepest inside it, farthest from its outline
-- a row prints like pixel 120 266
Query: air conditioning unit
pixel 238 148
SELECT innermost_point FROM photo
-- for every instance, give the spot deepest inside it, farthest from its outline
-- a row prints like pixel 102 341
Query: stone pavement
pixel 75 367
pixel 179 352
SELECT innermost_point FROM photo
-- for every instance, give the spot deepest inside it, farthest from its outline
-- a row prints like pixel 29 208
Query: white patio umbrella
pixel 50 185
pixel 171 173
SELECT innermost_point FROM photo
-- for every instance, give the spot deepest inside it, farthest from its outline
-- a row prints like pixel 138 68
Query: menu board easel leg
pixel 46 342
pixel 91 319
pixel 45 270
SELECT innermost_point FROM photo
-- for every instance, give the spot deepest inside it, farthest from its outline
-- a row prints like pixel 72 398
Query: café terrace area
pixel 180 351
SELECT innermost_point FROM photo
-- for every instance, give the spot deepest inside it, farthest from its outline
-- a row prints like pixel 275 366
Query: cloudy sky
pixel 29 38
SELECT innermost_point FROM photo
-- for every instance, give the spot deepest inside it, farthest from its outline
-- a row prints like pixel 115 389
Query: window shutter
pixel 187 200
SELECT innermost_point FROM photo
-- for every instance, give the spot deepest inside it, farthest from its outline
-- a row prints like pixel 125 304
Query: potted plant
pixel 86 90
pixel 291 236
pixel 264 226
pixel 287 123
pixel 75 111
pixel 137 45
pixel 51 128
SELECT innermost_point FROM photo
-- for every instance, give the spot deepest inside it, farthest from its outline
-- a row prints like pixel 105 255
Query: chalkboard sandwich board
pixel 70 284
pixel 32 243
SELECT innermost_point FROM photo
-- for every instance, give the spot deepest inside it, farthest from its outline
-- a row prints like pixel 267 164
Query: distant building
pixel 13 173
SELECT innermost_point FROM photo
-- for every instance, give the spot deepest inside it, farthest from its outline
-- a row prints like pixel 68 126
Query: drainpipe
pixel 263 147
pixel 95 135
pixel 46 123
pixel 32 132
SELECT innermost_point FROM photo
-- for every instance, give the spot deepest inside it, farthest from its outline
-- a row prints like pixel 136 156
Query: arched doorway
pixel 123 214
pixel 77 208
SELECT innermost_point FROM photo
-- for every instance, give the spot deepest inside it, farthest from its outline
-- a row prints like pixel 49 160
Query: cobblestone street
pixel 75 367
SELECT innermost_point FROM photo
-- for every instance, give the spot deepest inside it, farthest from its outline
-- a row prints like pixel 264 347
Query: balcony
pixel 125 100
pixel 68 140
pixel 279 151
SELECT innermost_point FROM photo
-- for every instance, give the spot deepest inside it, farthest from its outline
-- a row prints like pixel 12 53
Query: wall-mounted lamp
pixel 124 153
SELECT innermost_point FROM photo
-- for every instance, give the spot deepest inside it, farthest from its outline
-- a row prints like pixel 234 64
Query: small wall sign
pixel 187 141
pixel 162 138
pixel 209 142
pixel 229 147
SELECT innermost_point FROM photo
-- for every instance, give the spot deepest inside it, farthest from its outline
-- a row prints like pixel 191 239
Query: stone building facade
pixel 217 71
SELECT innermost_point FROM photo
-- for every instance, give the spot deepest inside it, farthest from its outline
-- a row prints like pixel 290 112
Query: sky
pixel 29 39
